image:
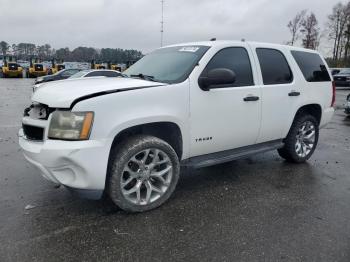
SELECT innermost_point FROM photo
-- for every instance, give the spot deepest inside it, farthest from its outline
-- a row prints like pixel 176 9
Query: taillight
pixel 333 94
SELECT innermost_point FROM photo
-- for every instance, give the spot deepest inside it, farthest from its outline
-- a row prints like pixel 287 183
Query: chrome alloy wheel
pixel 305 139
pixel 146 176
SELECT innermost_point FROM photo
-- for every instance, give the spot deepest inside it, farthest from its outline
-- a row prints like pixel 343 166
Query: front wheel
pixel 143 173
pixel 301 140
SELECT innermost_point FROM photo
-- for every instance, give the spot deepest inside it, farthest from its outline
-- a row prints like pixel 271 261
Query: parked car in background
pixel 347 105
pixel 60 75
pixel 335 71
pixel 195 105
pixel 342 79
pixel 84 74
pixel 97 72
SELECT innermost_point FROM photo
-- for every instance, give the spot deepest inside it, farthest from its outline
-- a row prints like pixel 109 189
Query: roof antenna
pixel 243 40
pixel 213 39
pixel 162 25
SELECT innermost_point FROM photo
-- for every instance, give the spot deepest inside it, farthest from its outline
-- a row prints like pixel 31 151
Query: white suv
pixel 194 105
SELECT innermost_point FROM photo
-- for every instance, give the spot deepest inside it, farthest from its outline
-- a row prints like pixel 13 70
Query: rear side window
pixel 235 59
pixel 312 66
pixel 274 67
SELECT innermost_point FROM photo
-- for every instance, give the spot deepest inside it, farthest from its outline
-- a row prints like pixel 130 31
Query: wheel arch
pixel 313 109
pixel 168 131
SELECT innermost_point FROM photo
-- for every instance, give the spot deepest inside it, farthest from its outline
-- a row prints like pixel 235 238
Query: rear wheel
pixel 143 173
pixel 301 140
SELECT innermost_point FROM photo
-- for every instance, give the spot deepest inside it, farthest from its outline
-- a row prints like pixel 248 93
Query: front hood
pixel 61 94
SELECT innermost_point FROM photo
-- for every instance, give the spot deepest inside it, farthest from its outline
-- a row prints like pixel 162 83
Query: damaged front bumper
pixel 81 166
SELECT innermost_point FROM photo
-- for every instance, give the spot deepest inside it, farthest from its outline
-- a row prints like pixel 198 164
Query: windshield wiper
pixel 144 77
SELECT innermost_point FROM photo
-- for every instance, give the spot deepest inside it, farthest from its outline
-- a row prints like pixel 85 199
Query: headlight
pixel 68 125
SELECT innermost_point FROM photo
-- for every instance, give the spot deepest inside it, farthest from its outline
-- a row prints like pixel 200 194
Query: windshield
pixel 168 65
pixel 344 71
pixel 79 74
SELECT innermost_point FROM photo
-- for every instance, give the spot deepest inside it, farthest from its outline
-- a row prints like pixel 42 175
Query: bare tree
pixel 294 26
pixel 347 41
pixel 4 47
pixel 337 27
pixel 310 31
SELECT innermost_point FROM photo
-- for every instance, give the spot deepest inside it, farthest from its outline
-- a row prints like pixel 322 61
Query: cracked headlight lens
pixel 68 125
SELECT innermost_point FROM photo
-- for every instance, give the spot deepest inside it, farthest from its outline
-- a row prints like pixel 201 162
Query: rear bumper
pixel 38 73
pixel 326 116
pixel 79 165
pixel 13 73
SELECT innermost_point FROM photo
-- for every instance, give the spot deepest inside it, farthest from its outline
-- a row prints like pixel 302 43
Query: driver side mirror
pixel 217 78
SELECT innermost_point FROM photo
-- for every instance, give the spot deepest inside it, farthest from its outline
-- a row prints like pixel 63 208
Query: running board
pixel 232 154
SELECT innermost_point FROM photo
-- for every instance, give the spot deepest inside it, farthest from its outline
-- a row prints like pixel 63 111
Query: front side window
pixel 274 67
pixel 235 59
pixel 169 64
pixel 312 66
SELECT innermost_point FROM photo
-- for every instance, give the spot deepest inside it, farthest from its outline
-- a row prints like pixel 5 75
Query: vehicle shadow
pixel 245 177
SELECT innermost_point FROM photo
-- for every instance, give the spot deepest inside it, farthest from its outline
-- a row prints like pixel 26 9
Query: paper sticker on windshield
pixel 189 49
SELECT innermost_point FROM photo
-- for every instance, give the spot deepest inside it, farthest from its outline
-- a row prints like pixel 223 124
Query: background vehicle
pixel 342 78
pixel 36 69
pixel 60 75
pixel 335 71
pixel 347 105
pixel 113 66
pixel 55 67
pixel 97 66
pixel 196 105
pixel 92 73
pixel 11 68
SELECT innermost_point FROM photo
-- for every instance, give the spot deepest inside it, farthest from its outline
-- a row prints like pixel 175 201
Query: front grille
pixel 39 68
pixel 33 132
pixel 13 67
pixel 38 111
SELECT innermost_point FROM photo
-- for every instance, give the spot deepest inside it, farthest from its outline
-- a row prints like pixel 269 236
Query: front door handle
pixel 294 93
pixel 251 98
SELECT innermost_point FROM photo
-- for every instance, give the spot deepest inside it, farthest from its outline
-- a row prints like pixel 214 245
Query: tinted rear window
pixel 312 66
pixel 274 67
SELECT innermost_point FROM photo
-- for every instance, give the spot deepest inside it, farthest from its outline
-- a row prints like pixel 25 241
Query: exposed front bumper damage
pixel 79 165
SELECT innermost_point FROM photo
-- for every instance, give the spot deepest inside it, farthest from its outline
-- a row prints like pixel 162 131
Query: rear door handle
pixel 251 98
pixel 294 93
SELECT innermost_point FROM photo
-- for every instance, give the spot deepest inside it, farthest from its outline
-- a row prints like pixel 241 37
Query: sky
pixel 135 24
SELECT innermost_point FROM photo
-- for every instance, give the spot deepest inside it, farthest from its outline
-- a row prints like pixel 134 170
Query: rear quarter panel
pixel 319 93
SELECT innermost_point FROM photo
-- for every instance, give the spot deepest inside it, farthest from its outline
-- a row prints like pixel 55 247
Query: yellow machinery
pixel 11 69
pixel 113 66
pixel 97 66
pixel 55 67
pixel 36 69
pixel 130 63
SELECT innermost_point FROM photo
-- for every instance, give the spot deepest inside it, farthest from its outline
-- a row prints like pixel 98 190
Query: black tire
pixel 288 152
pixel 120 157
